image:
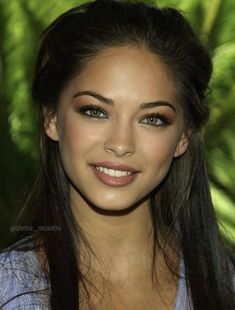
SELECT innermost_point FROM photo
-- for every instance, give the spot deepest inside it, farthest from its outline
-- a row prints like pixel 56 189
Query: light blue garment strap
pixel 181 286
pixel 22 283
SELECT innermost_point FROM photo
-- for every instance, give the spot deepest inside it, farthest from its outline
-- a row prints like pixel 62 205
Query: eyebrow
pixel 144 105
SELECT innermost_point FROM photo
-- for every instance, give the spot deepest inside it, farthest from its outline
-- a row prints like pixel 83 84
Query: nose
pixel 120 140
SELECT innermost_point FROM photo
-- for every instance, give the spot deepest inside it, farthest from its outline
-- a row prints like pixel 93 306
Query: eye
pixel 92 111
pixel 155 119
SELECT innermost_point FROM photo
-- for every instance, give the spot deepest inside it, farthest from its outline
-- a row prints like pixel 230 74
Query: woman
pixel 121 215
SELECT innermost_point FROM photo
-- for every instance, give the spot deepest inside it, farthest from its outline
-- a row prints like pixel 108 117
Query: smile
pixel 113 173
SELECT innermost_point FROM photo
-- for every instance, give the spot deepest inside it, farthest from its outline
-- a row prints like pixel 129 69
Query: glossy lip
pixel 115 166
pixel 113 181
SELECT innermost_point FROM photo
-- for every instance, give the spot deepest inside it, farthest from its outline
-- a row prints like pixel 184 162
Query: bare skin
pixel 128 285
pixel 133 290
pixel 116 220
pixel 122 268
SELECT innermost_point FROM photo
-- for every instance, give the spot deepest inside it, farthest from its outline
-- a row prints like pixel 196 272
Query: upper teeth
pixel 113 173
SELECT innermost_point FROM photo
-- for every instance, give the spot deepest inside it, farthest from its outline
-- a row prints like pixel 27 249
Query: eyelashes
pixel 92 111
pixel 152 120
pixel 155 119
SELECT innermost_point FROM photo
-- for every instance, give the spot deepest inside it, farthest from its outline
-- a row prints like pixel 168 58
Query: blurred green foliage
pixel 21 22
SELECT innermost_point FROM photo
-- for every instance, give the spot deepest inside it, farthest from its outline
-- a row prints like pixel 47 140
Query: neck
pixel 121 241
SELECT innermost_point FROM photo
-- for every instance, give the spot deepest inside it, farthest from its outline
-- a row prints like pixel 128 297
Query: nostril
pixel 120 146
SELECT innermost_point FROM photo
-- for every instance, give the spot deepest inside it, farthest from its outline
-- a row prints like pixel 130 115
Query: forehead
pixel 126 73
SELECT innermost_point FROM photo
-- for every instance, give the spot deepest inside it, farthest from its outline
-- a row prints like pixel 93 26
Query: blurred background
pixel 22 21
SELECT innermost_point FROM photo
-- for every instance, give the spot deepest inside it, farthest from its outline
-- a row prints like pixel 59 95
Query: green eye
pixel 92 112
pixel 155 120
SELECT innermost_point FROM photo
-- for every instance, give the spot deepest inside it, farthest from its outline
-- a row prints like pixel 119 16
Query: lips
pixel 115 166
pixel 114 174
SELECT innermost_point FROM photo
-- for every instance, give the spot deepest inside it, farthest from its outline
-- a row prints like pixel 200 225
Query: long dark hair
pixel 181 205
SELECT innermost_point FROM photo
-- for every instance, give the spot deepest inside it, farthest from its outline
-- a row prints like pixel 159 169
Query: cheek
pixel 76 137
pixel 160 163
pixel 160 149
pixel 158 154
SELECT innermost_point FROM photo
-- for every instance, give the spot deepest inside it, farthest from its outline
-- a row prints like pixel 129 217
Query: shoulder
pixel 23 284
pixel 183 298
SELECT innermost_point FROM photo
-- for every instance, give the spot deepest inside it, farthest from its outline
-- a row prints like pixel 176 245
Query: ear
pixel 51 128
pixel 182 145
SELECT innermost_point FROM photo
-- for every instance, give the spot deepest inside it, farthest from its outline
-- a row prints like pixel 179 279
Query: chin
pixel 117 210
pixel 107 203
pixel 109 207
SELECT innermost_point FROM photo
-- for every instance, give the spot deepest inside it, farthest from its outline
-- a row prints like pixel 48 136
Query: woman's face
pixel 119 126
